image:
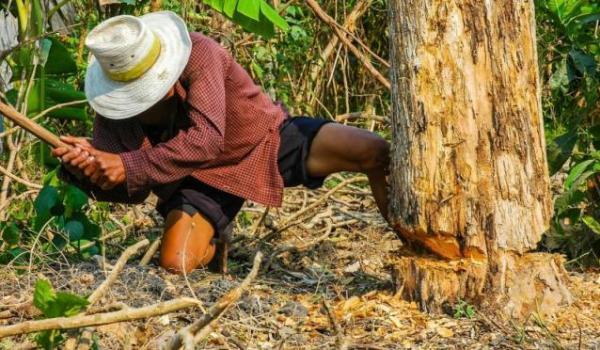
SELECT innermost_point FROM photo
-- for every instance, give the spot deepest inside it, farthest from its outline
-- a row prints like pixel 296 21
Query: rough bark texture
pixel 469 174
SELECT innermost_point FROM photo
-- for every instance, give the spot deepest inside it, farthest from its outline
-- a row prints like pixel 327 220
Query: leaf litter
pixel 339 264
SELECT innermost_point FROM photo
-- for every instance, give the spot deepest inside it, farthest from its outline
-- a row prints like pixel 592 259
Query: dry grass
pixel 344 267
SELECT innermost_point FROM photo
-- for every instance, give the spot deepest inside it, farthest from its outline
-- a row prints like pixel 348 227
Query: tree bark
pixel 469 176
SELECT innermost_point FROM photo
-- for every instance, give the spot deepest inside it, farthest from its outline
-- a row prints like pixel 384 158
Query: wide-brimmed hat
pixel 136 60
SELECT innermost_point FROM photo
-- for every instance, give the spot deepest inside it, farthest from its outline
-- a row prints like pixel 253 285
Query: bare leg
pixel 344 148
pixel 186 242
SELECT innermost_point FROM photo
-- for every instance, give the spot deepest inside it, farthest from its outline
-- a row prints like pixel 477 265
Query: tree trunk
pixel 469 176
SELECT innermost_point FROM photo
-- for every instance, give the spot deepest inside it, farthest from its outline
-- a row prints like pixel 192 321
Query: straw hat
pixel 136 60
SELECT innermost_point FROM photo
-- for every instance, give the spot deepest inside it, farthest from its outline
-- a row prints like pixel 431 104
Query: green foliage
pixel 55 304
pixel 570 49
pixel 255 16
pixel 62 206
pixel 462 309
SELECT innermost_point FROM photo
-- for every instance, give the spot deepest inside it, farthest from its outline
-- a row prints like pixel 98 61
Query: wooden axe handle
pixel 36 129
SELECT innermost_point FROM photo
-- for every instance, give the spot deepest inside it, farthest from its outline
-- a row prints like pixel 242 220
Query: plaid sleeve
pixel 203 141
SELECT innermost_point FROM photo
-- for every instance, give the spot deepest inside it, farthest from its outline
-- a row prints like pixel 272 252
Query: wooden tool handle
pixel 36 129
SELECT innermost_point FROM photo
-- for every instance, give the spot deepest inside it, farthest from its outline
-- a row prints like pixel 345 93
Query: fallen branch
pixel 323 198
pixel 194 332
pixel 300 247
pixel 29 184
pixel 101 290
pixel 344 39
pixel 128 314
pixel 150 252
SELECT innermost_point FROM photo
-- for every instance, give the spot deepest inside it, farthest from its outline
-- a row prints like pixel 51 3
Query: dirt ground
pixel 340 265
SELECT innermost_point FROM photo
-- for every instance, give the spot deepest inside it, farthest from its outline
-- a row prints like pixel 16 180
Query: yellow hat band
pixel 140 68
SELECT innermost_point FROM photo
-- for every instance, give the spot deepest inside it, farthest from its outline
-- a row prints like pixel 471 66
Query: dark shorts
pixel 220 208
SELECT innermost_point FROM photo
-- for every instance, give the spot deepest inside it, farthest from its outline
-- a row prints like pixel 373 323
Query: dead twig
pixel 339 333
pixel 319 12
pixel 128 314
pixel 193 333
pixel 323 198
pixel 349 26
pixel 300 247
pixel 101 290
pixel 361 115
pixel 29 184
pixel 150 252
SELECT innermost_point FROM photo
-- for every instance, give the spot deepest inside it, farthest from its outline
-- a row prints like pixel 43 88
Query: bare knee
pixel 175 263
pixel 187 243
pixel 376 154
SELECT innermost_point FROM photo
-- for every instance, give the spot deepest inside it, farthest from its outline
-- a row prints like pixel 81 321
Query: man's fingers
pixel 76 141
pixel 95 177
pixel 71 154
pixel 83 156
pixel 90 169
pixel 89 160
pixel 59 151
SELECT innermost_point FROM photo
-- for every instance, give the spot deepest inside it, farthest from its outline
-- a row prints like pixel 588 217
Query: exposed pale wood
pixel 469 178
pixel 469 160
pixel 128 314
pixel 533 282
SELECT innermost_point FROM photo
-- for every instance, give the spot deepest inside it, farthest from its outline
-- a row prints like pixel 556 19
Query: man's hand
pixel 104 169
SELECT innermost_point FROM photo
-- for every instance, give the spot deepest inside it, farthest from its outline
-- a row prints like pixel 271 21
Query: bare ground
pixel 344 247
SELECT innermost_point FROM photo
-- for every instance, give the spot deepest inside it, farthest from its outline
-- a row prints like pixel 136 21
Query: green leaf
pixel 51 179
pixel 74 229
pixel 43 295
pixel 576 172
pixel 67 304
pixel 35 102
pixel 61 92
pixel 583 62
pixel 216 4
pixel 11 234
pixel 49 340
pixel 590 222
pixel 562 76
pixel 60 60
pixel 47 199
pixel 45 46
pixel 568 200
pixel 229 7
pixel 273 16
pixel 257 70
pixel 250 8
pixel 560 149
pixel 37 18
pixel 262 28
pixel 589 18
pixel 75 198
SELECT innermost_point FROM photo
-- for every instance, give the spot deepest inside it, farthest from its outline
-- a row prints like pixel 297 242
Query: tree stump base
pixel 529 283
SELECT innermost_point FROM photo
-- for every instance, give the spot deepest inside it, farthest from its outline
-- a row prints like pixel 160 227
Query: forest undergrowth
pixel 326 279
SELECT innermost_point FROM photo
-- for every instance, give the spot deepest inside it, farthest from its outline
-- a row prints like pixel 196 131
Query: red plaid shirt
pixel 231 143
